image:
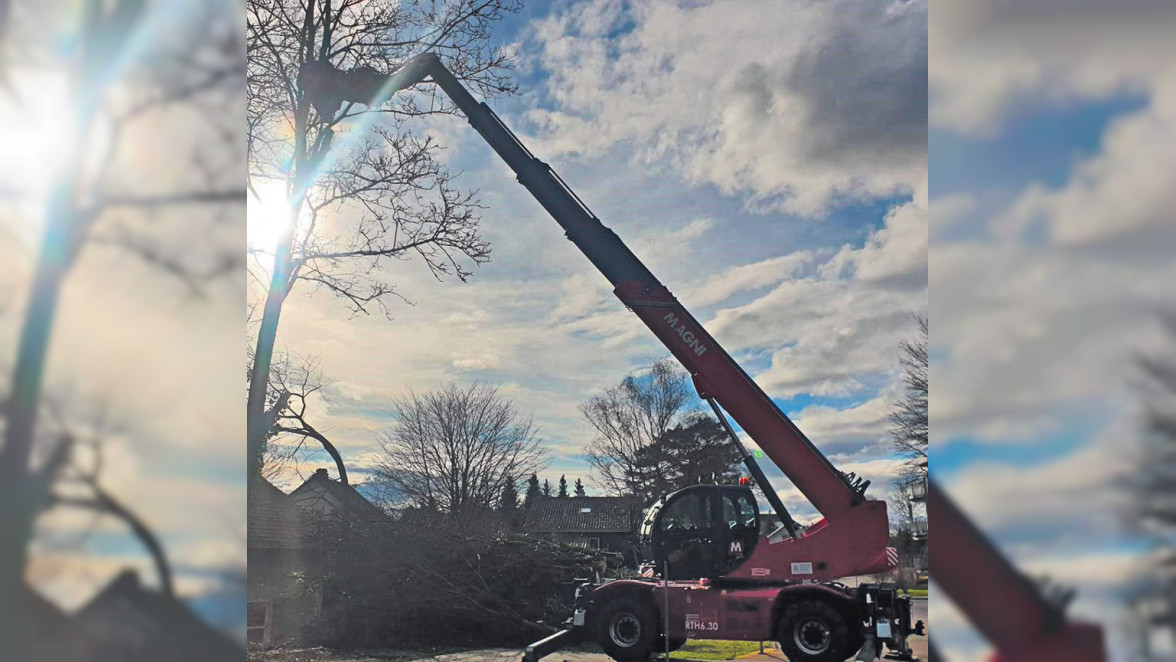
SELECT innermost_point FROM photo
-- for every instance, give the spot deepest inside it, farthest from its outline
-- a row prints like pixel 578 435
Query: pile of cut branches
pixel 421 581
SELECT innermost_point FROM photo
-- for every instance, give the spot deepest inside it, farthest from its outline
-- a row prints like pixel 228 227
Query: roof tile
pixel 583 515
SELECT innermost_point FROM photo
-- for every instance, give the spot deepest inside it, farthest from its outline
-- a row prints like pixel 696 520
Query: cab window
pixel 686 513
pixel 747 511
pixel 730 512
pixel 738 511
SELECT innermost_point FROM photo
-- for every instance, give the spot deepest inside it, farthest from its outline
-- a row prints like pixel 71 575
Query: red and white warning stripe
pixel 892 557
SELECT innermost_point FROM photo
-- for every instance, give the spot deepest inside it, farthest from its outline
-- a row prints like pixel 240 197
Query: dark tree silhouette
pixel 510 497
pixel 546 487
pixel 563 486
pixel 698 450
pixel 580 488
pixel 533 491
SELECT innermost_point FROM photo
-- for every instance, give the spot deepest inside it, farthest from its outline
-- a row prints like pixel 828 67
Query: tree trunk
pixel 21 492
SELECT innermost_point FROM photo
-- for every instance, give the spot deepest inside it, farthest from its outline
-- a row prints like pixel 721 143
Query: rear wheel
pixel 812 630
pixel 627 629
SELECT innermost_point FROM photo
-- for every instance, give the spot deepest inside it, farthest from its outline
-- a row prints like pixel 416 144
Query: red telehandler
pixel 715 574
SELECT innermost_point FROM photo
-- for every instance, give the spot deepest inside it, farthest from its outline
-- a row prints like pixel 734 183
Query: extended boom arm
pixel 853 536
pixel 715 373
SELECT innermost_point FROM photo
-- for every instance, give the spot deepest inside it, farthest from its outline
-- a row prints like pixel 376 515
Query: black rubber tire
pixel 814 631
pixel 627 629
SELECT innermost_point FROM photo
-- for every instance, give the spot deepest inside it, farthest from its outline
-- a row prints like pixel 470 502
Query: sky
pixel 769 168
pixel 1051 192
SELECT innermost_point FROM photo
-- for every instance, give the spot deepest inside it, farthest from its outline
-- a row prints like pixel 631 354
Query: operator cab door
pixel 740 519
pixel 704 531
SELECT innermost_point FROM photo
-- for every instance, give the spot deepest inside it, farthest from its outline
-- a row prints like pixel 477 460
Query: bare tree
pixel 127 81
pixel 629 419
pixel 294 379
pixel 401 201
pixel 452 449
pixel 79 482
pixel 908 421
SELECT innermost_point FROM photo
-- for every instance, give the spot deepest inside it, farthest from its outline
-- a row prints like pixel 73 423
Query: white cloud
pixel 1121 199
pixel 1044 305
pixel 480 361
pixel 1064 501
pixel 750 277
pixel 853 431
pixel 793 107
pixel 989 60
pixel 830 330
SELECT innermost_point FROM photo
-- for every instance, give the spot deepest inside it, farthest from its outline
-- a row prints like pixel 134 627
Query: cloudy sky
pixel 769 167
pixel 1051 230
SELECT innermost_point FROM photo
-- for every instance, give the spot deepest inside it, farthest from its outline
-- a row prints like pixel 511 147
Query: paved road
pixel 499 655
pixel 918 645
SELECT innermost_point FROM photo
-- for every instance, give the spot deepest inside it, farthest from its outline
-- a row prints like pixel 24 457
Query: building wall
pixel 278 579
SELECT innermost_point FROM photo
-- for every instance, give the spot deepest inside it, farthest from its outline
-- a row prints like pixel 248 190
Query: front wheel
pixel 814 631
pixel 627 629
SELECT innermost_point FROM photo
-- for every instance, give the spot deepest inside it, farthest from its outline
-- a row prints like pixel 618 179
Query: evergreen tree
pixel 510 497
pixel 546 487
pixel 696 451
pixel 532 491
pixel 563 486
pixel 580 488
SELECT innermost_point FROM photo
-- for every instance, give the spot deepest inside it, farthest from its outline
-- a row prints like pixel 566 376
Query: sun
pixel 35 136
pixel 267 215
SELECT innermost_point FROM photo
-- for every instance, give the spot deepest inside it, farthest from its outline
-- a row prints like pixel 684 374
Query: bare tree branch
pixel 453 449
pixel 908 421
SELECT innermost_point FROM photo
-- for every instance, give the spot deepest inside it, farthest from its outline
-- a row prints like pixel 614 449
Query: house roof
pixel 275 520
pixel 41 614
pixel 160 623
pixel 582 515
pixel 320 493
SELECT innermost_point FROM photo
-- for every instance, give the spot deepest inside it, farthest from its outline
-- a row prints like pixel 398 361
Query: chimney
pixel 320 472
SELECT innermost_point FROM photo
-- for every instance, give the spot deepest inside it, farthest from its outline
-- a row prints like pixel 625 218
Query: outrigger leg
pixel 545 647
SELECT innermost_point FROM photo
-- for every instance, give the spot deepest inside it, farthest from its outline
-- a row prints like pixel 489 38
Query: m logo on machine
pixel 736 548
